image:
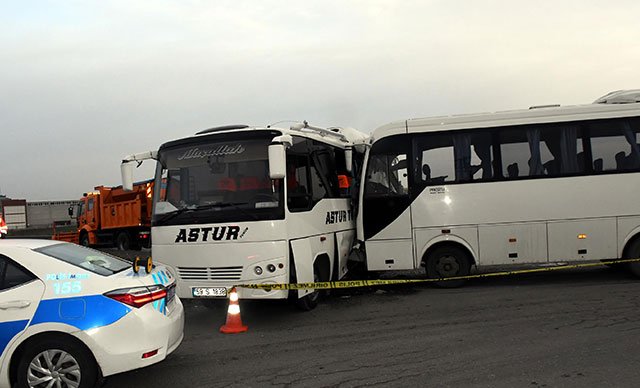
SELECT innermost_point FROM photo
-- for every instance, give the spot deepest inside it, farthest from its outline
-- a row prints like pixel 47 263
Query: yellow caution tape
pixel 382 282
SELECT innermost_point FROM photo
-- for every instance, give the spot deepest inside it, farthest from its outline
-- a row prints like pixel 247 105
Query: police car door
pixel 20 293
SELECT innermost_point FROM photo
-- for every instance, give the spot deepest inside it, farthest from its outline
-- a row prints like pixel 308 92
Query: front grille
pixel 210 273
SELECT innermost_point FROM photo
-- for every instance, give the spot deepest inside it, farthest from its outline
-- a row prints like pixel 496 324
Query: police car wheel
pixel 65 363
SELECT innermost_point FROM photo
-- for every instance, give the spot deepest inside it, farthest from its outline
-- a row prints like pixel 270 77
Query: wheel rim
pixel 447 266
pixel 54 368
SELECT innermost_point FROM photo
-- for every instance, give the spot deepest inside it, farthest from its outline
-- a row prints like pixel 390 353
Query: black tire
pixel 88 369
pixel 448 261
pixel 310 301
pixel 84 239
pixel 123 241
pixel 634 253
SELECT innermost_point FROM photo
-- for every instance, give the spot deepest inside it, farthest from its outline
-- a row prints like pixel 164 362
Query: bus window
pixel 454 157
pixel 387 175
pixel 539 151
pixel 435 159
pixel 614 145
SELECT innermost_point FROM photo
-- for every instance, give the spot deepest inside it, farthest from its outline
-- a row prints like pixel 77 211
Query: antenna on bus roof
pixel 305 127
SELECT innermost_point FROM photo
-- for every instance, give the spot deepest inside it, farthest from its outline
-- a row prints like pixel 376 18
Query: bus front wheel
pixel 447 262
pixel 310 301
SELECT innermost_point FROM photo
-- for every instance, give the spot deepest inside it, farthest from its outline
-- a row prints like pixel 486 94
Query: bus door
pixel 386 206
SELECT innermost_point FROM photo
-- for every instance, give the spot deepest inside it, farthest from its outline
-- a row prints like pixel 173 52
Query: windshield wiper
pixel 166 217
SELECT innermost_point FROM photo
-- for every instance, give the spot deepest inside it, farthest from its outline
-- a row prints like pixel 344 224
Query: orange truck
pixel 111 215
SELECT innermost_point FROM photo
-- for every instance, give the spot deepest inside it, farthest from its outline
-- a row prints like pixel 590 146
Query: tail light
pixel 138 296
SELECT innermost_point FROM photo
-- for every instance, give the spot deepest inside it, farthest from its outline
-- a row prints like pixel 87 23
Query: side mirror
pixel 70 211
pixel 278 156
pixel 348 159
pixel 126 170
pixel 277 161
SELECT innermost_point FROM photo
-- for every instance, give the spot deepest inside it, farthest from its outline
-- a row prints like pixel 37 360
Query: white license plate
pixel 204 292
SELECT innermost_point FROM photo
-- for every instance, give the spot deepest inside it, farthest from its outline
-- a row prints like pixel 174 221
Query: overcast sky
pixel 84 83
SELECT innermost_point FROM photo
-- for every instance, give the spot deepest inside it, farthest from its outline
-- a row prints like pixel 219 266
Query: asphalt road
pixel 574 328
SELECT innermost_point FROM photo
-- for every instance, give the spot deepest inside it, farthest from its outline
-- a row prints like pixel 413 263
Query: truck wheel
pixel 58 363
pixel 84 239
pixel 123 241
pixel 446 262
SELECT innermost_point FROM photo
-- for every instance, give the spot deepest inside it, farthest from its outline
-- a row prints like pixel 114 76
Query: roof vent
pixel 223 128
pixel 630 96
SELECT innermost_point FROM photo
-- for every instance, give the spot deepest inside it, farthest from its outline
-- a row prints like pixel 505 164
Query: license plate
pixel 204 292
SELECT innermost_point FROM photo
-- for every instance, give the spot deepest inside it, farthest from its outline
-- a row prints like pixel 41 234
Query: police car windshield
pixel 217 179
pixel 86 258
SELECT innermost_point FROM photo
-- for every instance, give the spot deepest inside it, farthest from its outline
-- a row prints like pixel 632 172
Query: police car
pixel 70 315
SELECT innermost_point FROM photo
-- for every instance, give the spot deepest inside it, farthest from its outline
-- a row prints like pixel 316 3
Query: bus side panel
pixel 303 259
pixel 384 255
pixel 305 253
pixel 513 243
pixel 576 240
pixel 628 227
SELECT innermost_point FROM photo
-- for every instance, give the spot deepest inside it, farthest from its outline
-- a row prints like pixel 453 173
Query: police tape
pixel 386 282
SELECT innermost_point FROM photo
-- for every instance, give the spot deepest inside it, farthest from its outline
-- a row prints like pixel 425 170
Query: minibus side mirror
pixel 348 159
pixel 277 161
pixel 278 156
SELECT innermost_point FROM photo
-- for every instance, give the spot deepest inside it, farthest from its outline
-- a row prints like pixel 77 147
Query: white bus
pixel 241 204
pixel 546 184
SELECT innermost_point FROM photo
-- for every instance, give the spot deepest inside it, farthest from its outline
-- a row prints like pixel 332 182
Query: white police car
pixel 70 315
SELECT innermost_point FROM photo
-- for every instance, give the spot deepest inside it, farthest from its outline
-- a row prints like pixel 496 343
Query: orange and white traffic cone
pixel 234 322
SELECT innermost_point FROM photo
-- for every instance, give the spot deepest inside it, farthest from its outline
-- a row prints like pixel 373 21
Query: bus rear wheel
pixel 447 262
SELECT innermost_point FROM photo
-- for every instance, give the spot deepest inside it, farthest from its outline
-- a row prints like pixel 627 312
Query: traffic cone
pixel 234 322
